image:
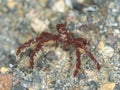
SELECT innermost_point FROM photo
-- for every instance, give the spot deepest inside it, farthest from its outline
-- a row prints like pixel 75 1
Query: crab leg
pixel 78 64
pixel 92 58
pixel 32 41
pixel 27 44
pixel 38 47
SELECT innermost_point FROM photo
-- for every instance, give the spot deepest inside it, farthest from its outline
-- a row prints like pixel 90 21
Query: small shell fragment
pixel 4 70
pixel 108 86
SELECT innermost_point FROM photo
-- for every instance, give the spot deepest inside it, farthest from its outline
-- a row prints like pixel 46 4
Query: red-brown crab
pixel 62 37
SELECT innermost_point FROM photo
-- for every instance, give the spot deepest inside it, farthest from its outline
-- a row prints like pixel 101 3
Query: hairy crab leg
pixel 26 44
pixel 38 47
pixel 32 41
pixel 92 58
pixel 78 64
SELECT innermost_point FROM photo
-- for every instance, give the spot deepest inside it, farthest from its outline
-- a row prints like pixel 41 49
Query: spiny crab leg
pixel 92 58
pixel 78 64
pixel 27 44
pixel 38 47
pixel 32 41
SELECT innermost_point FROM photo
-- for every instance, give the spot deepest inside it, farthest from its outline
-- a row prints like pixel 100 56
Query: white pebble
pixel 59 6
pixel 116 32
pixel 107 51
pixel 58 53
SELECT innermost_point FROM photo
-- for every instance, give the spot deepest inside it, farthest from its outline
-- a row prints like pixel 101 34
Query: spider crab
pixel 62 37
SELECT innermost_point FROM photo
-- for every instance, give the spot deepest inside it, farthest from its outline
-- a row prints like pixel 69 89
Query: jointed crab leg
pixel 27 44
pixel 92 58
pixel 32 41
pixel 38 47
pixel 78 64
